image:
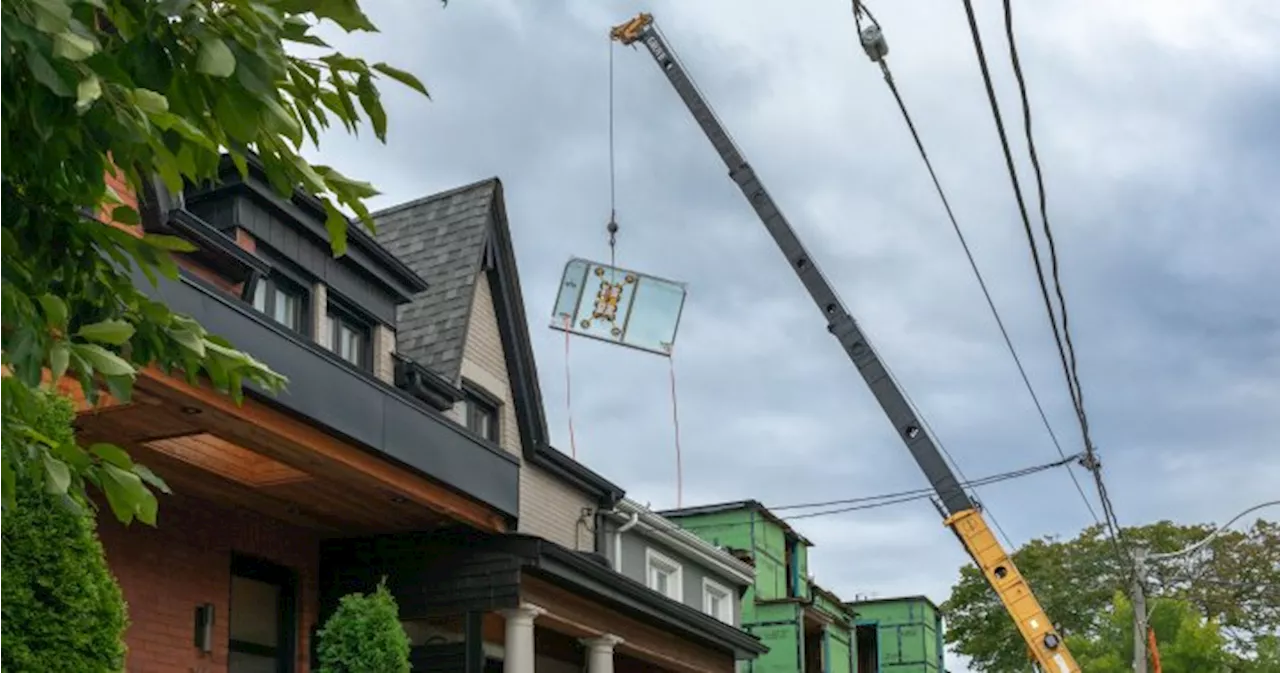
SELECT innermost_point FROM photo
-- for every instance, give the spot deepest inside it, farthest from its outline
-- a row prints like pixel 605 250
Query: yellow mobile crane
pixel 962 515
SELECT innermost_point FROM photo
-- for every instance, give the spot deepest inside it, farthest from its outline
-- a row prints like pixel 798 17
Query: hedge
pixel 62 609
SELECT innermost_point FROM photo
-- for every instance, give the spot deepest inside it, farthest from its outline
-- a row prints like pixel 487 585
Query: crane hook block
pixel 874 44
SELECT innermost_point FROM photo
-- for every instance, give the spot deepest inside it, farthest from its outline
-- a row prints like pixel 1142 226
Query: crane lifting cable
pixel 621 306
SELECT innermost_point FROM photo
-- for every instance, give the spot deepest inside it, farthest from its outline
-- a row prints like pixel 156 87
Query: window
pixel 261 617
pixel 479 412
pixel 348 336
pixel 665 576
pixel 281 300
pixel 717 601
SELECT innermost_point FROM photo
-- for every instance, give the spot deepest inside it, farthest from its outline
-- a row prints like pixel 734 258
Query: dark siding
pixel 428 575
pixel 312 255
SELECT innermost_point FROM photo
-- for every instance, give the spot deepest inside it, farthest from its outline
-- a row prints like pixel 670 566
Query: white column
pixel 518 648
pixel 600 653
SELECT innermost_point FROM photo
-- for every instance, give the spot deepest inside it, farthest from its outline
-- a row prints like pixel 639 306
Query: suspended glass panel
pixel 619 306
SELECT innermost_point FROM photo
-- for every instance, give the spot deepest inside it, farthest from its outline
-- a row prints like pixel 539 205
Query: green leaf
pixel 189 340
pixel 120 387
pixel 55 311
pixel 112 454
pixel 46 74
pixel 103 360
pixel 151 478
pixel 170 243
pixel 67 45
pixel 341 184
pixel 372 105
pixel 88 91
pixel 402 77
pixel 57 476
pixel 124 492
pixel 150 101
pixel 345 13
pixel 59 359
pixel 336 224
pixel 52 16
pixel 113 331
pixel 215 58
pixel 125 215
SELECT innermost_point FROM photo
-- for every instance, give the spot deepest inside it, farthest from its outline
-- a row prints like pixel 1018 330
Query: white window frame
pixel 655 560
pixel 710 587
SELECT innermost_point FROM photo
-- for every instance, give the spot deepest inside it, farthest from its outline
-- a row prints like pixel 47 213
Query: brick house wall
pixel 549 507
pixel 166 571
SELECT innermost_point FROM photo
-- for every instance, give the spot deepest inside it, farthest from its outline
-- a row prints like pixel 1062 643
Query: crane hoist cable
pixel 876 48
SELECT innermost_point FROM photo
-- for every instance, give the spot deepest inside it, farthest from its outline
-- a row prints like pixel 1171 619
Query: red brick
pixel 165 572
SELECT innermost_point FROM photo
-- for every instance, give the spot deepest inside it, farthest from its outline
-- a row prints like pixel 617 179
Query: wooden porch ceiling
pixel 257 457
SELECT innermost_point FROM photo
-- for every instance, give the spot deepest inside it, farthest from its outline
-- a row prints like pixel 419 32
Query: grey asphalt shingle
pixel 442 238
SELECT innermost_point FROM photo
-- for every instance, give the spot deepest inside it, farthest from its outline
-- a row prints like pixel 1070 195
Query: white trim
pixel 675 585
pixel 726 596
pixel 685 542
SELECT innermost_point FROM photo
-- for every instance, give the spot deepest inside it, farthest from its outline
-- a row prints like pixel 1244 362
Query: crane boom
pixel 962 515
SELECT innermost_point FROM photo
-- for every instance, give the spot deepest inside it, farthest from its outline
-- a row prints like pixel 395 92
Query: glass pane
pixel 260 295
pixel 617 305
pixel 255 611
pixel 326 332
pixel 286 309
pixel 660 581
pixel 239 662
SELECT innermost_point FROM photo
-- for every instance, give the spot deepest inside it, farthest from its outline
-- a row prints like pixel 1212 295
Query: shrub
pixel 62 609
pixel 364 635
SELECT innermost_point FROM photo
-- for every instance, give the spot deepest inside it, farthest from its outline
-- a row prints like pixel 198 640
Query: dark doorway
pixel 262 619
pixel 814 641
pixel 868 641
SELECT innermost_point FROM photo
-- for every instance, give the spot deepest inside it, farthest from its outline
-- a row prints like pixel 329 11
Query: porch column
pixel 600 653
pixel 518 656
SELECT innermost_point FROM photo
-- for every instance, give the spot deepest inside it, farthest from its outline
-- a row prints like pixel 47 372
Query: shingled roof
pixel 450 239
pixel 443 238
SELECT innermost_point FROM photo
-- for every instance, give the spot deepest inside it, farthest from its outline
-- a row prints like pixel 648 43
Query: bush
pixel 62 609
pixel 364 635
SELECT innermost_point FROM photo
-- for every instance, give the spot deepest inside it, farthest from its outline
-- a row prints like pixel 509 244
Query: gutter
pixel 655 524
pixel 617 540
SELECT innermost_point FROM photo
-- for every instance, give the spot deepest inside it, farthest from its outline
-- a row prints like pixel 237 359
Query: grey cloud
pixel 1159 144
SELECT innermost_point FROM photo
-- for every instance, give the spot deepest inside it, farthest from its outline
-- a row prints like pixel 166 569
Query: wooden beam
pixel 247 422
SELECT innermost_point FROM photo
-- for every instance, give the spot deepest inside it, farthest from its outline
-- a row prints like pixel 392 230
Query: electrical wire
pixel 964 244
pixel 927 491
pixel 1062 344
pixel 887 499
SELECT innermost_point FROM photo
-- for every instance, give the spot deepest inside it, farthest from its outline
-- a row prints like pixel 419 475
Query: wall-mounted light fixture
pixel 204 627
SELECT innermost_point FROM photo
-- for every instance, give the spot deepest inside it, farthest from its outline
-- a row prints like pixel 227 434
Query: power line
pixel 920 493
pixel 886 499
pixel 1069 372
pixel 964 244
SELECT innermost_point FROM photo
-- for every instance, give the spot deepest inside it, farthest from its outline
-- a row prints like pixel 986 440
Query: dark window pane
pixel 241 662
pixel 255 612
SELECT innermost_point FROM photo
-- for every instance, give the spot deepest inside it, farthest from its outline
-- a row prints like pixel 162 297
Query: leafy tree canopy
pixel 141 89
pixel 1235 583
pixel 1187 642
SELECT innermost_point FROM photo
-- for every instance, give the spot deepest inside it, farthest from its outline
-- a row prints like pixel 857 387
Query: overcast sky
pixel 1158 125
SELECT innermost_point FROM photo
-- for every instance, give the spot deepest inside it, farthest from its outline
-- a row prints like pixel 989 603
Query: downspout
pixel 617 540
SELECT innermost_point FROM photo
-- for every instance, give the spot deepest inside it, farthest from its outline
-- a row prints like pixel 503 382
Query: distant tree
pixel 1076 580
pixel 1188 643
pixel 364 635
pixel 138 89
pixel 62 609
